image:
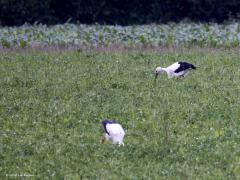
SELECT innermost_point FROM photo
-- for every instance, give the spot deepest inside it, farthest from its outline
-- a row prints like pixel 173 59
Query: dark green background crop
pixel 123 12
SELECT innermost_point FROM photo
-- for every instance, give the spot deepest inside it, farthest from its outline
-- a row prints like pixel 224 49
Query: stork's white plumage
pixel 177 69
pixel 113 132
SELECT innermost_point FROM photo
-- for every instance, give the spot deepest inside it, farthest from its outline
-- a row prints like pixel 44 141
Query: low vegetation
pixel 52 105
pixel 182 34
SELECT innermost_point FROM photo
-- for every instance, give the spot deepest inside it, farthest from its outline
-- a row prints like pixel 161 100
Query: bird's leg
pixel 184 75
pixel 170 75
pixel 179 78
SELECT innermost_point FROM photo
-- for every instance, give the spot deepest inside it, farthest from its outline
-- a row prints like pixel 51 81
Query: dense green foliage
pixel 52 104
pixel 181 34
pixel 124 12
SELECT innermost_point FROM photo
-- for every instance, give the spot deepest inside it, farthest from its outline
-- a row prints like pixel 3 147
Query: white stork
pixel 113 132
pixel 177 69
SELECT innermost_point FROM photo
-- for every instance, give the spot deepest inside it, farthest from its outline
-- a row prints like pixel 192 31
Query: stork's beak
pixel 156 75
pixel 103 140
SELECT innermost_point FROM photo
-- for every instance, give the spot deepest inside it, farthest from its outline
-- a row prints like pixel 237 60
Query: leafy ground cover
pixel 52 105
pixel 181 34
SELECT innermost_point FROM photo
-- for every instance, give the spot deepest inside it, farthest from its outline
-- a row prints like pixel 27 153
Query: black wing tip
pixel 194 67
pixel 188 64
pixel 108 121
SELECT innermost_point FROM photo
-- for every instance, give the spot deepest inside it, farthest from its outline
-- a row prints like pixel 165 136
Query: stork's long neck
pixel 168 71
pixel 165 70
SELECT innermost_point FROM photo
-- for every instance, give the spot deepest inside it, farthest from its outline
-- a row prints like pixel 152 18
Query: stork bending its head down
pixel 113 132
pixel 177 69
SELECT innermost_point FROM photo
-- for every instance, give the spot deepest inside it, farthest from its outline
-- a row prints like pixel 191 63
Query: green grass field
pixel 52 105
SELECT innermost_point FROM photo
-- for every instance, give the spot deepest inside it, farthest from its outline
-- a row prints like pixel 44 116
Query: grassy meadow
pixel 52 105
